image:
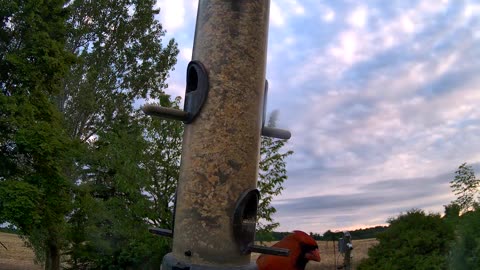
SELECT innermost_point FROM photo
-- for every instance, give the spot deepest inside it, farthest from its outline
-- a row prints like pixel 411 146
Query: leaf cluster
pixel 413 240
pixel 465 186
pixel 272 174
pixel 464 214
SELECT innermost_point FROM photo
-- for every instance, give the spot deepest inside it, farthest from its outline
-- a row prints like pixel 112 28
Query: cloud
pixel 172 14
pixel 328 15
pixel 283 11
pixel 381 108
pixel 471 9
pixel 358 17
pixel 359 43
pixel 194 5
pixel 371 93
pixel 277 15
pixel 400 131
pixel 175 89
pixel 296 7
pixel 348 49
pixel 186 53
pixel 371 204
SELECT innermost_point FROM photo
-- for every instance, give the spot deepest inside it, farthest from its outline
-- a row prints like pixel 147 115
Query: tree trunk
pixel 52 258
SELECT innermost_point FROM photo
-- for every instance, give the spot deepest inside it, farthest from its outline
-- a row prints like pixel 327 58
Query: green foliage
pixel 272 174
pixel 121 60
pixel 465 186
pixel 452 213
pixel 32 36
pixel 413 240
pixel 109 228
pixel 8 229
pixel 82 172
pixel 329 235
pixel 19 204
pixel 264 236
pixel 34 148
pixel 162 163
pixel 72 146
pixel 367 232
pixel 270 235
pixel 465 250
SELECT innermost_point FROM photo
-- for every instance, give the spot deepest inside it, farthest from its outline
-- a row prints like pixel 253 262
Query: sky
pixel 382 99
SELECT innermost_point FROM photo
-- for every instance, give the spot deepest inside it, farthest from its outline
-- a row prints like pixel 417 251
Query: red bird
pixel 303 248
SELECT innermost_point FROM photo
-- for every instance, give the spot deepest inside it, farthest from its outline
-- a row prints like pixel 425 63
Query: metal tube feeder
pixel 224 113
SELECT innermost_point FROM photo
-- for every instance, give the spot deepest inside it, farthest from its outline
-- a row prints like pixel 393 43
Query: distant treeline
pixel 328 235
pixel 8 230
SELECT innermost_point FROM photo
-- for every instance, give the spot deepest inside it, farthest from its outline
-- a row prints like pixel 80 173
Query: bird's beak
pixel 313 255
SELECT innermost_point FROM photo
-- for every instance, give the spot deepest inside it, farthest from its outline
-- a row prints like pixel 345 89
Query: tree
pixel 162 163
pixel 464 213
pixel 34 147
pixel 413 240
pixel 130 186
pixel 465 251
pixel 121 61
pixel 452 213
pixel 109 227
pixel 272 174
pixel 333 236
pixel 465 186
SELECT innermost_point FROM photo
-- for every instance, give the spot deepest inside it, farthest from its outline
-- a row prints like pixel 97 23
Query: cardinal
pixel 303 248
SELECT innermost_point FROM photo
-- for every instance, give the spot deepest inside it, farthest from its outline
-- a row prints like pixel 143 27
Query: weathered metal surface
pixel 165 112
pixel 195 96
pixel 276 133
pixel 270 250
pixel 221 147
pixel 161 232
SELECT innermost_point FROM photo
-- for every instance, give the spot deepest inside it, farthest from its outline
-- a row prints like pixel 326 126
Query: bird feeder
pixel 224 115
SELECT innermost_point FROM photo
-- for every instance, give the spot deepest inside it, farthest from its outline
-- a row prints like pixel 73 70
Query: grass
pixel 20 257
pixel 331 258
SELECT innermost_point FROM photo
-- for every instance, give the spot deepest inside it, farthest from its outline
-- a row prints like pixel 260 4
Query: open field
pixel 330 258
pixel 19 257
pixel 359 252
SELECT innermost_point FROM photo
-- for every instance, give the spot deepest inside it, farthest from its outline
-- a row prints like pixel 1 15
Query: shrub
pixel 413 240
